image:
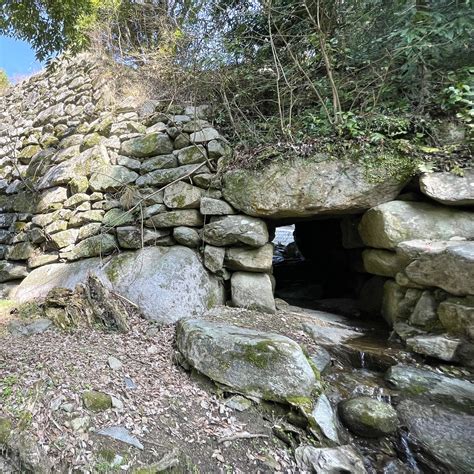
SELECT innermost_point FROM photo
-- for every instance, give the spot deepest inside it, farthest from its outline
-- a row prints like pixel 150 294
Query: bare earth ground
pixel 43 375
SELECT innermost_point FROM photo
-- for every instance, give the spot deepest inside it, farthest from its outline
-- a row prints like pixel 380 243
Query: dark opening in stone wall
pixel 318 264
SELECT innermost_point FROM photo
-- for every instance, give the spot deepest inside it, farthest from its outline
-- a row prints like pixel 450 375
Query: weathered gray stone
pixel 111 178
pixel 159 162
pixel 42 259
pixel 324 417
pixel 50 199
pixel 214 258
pixel 117 217
pixel 252 291
pixel 92 160
pixel 182 195
pixel 424 313
pixel 133 238
pixel 383 262
pixel 452 269
pixel 457 316
pixel 187 236
pixel 65 238
pixel 148 145
pixel 438 346
pixel 303 188
pixel 50 115
pixel 185 217
pixel 75 200
pixel 251 362
pixel 329 460
pixel 11 271
pixel 231 230
pixel 215 207
pixel 417 381
pixel 250 260
pixel 101 244
pixel 81 218
pixel 448 188
pixel 218 148
pixel 445 434
pixel 21 251
pixel 386 225
pixel 204 135
pixel 368 417
pixel 167 283
pixel 165 176
pixel 191 155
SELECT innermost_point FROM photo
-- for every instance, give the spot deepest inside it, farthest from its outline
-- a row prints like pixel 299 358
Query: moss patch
pixel 96 401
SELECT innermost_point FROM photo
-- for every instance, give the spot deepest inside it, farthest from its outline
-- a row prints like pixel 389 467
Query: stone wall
pixel 85 176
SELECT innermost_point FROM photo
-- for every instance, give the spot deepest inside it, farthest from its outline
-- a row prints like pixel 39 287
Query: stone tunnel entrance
pixel 317 264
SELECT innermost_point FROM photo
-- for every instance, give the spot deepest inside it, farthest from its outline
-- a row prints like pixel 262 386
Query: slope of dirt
pixel 170 411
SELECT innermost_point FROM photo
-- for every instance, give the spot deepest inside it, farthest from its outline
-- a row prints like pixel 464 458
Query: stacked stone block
pixel 83 176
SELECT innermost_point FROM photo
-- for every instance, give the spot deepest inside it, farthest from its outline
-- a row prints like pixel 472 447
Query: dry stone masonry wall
pixel 84 177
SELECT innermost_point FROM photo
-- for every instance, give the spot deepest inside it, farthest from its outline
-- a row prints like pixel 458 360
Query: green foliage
pixel 50 26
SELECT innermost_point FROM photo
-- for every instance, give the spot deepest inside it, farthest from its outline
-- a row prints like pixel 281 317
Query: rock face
pixel 368 417
pixel 306 188
pixel 444 434
pixel 329 460
pixel 449 189
pixel 167 283
pixel 250 362
pixel 387 225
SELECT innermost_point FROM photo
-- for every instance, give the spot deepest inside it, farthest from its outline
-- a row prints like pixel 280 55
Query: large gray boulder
pixel 451 269
pixel 448 188
pixel 418 381
pixel 255 363
pixel 444 434
pixel 252 291
pixel 231 230
pixel 368 417
pixel 329 460
pixel 167 283
pixel 303 188
pixel 386 225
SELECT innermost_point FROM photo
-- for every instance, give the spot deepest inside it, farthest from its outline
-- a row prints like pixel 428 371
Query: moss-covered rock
pixel 96 401
pixel 368 417
pixel 302 188
pixel 148 145
pixel 255 363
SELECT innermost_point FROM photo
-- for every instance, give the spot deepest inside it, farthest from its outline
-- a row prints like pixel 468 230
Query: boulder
pixel 148 145
pixel 252 291
pixel 161 177
pixel 329 460
pixel 187 236
pixel 111 178
pixel 304 188
pixel 254 363
pixel 445 435
pixel 184 217
pixel 131 237
pixel 249 260
pixel 383 262
pixel 438 346
pixel 215 207
pixel 213 258
pixel 182 195
pixel 97 245
pixel 457 316
pixel 368 417
pixel 448 188
pixel 94 159
pixel 386 225
pixel 451 269
pixel 167 283
pixel 419 381
pixel 324 419
pixel 231 230
pixel 12 271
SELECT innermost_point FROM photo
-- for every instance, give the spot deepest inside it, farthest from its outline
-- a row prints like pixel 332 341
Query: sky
pixel 17 59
